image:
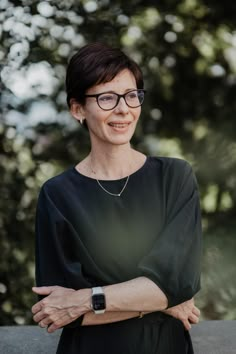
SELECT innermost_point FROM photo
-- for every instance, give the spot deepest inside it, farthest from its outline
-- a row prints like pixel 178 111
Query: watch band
pixel 97 290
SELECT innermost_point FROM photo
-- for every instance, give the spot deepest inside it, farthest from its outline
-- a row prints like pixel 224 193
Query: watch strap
pixel 97 290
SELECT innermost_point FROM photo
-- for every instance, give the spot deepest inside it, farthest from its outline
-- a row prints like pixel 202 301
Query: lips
pixel 118 125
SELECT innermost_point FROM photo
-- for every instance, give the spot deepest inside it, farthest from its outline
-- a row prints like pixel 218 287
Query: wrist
pixel 83 301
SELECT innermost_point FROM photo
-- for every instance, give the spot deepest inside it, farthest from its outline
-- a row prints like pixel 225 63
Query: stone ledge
pixel 209 337
pixel 214 337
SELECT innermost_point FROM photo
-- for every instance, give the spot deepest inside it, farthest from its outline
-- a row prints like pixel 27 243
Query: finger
pixel 42 324
pixel 50 317
pixel 37 318
pixel 196 311
pixel 187 325
pixel 58 323
pixel 52 328
pixel 63 318
pixel 45 318
pixel 43 290
pixel 36 308
pixel 54 318
pixel 193 319
pixel 44 312
pixel 40 316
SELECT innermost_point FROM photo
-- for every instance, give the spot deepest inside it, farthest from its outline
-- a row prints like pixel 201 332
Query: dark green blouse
pixel 86 237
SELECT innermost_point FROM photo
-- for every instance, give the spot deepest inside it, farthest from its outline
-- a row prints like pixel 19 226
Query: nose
pixel 122 106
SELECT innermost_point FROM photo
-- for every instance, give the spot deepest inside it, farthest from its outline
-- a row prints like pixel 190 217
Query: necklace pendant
pixel 118 195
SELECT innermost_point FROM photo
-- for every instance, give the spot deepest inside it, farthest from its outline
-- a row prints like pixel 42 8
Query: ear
pixel 76 110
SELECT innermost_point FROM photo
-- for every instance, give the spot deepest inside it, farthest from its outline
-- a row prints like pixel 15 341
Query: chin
pixel 121 140
pixel 118 142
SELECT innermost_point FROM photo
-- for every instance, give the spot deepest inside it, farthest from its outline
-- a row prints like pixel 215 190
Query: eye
pixel 106 98
pixel 132 95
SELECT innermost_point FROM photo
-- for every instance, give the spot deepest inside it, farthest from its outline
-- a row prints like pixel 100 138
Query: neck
pixel 116 163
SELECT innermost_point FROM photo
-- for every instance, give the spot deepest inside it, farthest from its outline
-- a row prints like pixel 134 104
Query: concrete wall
pixel 209 337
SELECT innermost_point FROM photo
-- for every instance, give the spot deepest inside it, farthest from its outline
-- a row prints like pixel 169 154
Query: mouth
pixel 118 125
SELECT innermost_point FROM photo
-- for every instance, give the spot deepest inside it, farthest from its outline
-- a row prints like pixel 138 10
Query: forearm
pixel 127 300
pixel 62 306
pixel 90 318
pixel 139 294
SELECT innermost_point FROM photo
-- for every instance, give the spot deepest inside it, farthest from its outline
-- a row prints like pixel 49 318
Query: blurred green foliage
pixel 187 51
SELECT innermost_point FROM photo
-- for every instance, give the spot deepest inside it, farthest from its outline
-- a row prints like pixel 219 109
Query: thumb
pixel 43 290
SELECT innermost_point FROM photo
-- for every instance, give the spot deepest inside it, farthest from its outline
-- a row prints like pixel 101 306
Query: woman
pixel 118 236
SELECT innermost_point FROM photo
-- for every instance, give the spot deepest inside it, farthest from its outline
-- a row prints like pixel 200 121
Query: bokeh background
pixel 187 50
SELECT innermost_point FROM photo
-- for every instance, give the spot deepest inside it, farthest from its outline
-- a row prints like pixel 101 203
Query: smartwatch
pixel 98 300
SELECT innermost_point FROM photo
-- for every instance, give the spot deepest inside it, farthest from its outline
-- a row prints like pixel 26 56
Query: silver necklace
pixel 114 194
pixel 105 190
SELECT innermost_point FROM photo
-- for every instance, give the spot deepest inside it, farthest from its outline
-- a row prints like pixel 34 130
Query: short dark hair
pixel 94 64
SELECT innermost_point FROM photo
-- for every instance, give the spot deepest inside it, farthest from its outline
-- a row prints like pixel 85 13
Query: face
pixel 116 126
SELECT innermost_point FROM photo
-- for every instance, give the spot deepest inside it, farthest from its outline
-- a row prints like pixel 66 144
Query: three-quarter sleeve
pixel 52 265
pixel 48 252
pixel 173 263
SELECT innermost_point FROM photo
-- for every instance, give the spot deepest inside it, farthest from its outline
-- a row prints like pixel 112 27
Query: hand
pixel 60 306
pixel 186 312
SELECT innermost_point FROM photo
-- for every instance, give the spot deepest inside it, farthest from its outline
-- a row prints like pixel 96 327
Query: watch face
pixel 98 302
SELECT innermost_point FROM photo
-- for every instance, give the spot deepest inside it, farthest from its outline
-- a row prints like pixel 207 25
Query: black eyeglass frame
pixel 118 98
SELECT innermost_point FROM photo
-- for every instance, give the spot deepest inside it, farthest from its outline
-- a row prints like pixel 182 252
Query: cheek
pixel 137 113
pixel 96 118
pixel 93 115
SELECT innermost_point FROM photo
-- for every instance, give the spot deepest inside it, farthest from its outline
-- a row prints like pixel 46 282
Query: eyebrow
pixel 111 91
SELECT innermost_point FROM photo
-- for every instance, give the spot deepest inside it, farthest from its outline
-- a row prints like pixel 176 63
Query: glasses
pixel 109 100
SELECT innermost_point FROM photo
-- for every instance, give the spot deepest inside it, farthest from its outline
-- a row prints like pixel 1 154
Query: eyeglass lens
pixel 110 100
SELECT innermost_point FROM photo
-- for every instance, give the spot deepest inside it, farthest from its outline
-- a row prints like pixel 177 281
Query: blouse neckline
pixel 139 170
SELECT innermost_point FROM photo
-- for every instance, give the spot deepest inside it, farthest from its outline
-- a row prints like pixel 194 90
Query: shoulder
pixel 172 165
pixel 57 183
pixel 176 174
pixel 55 192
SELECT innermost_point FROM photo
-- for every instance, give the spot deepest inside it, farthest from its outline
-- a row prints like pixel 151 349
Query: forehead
pixel 122 82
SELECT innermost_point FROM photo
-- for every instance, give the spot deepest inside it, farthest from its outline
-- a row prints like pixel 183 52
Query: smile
pixel 118 125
